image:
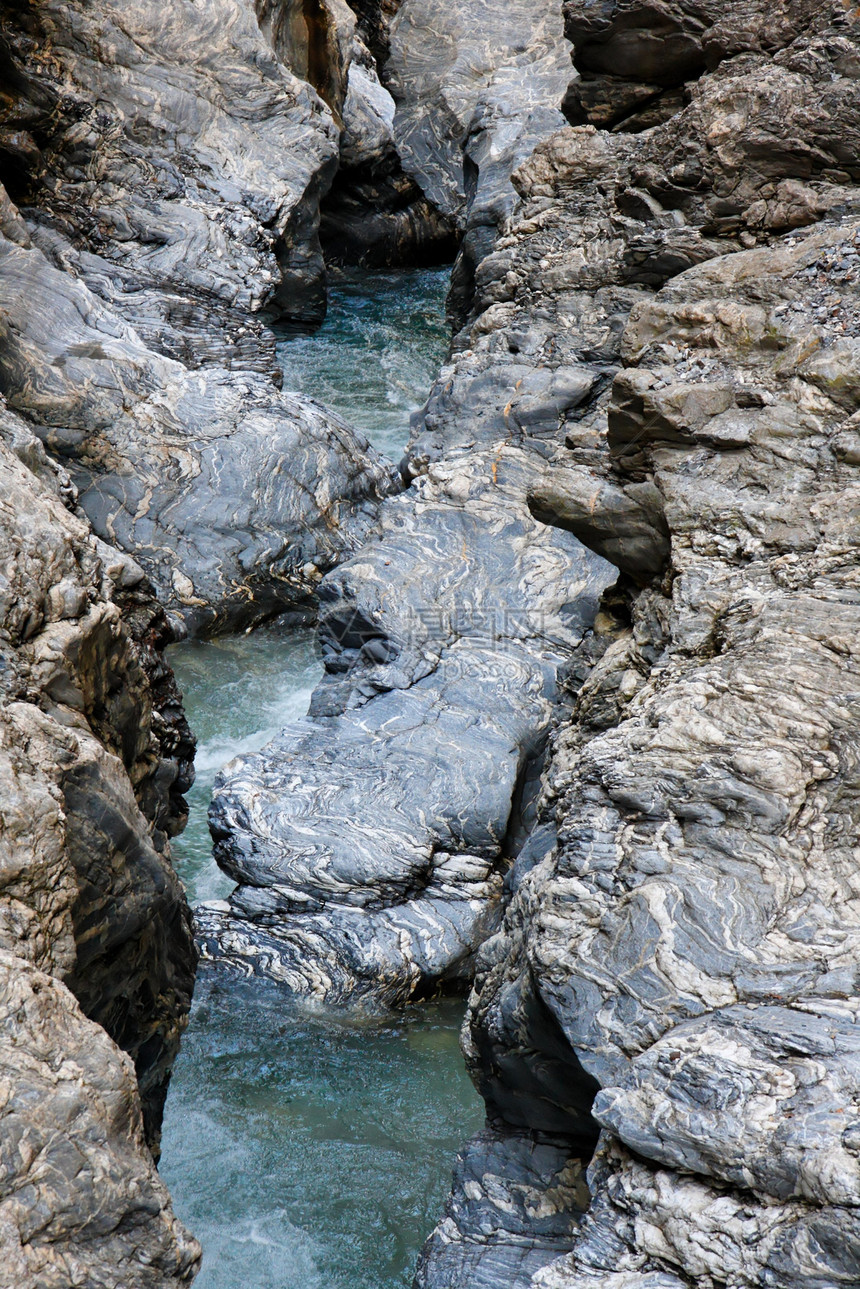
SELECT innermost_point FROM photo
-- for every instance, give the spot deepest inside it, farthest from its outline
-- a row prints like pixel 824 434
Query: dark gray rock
pixel 500 1226
pixel 170 160
pixel 375 214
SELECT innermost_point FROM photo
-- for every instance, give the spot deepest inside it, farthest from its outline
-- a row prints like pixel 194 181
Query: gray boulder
pixel 170 160
pixel 425 739
pixel 476 87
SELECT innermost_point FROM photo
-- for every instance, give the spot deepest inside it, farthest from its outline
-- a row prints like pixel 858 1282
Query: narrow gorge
pixel 433 426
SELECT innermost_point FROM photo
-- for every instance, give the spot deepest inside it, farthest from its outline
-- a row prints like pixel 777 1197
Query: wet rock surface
pixel 96 754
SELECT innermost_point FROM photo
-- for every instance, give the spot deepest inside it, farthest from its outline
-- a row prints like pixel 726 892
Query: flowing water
pixel 378 351
pixel 311 1150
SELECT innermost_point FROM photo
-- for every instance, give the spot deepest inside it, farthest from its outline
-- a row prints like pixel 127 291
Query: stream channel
pixel 311 1150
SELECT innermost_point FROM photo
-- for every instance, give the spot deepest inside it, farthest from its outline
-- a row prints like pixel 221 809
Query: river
pixel 311 1150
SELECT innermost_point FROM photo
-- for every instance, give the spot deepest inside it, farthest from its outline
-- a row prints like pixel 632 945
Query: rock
pixel 314 41
pixel 676 959
pixel 645 1219
pixel 476 87
pixel 225 490
pixel 636 60
pixel 178 169
pixel 374 22
pixel 375 214
pixel 686 887
pixel 80 1199
pixel 499 1227
pixel 401 900
pixel 754 1096
pixel 95 756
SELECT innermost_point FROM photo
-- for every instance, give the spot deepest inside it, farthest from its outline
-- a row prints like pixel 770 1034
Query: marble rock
pixel 681 932
pixel 97 755
pixel 170 160
pixel 477 85
pixel 233 497
pixel 501 1226
pixel 368 840
pixel 97 955
pixel 701 889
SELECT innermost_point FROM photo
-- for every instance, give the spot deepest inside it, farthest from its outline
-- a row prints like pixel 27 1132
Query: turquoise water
pixel 310 1151
pixel 239 691
pixel 307 1152
pixel 378 352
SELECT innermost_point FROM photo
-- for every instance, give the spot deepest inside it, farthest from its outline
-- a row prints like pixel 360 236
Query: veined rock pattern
pixel 676 964
pixel 93 921
pixel 234 497
pixel 588 733
pixel 426 734
pixel 169 168
pixel 477 86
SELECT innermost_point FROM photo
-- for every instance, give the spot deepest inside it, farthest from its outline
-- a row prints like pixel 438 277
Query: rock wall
pixel 95 935
pixel 675 968
pixel 165 170
pixel 234 497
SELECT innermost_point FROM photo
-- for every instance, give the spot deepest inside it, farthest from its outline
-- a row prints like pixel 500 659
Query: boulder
pixel 169 159
pixel 235 498
pixel 425 738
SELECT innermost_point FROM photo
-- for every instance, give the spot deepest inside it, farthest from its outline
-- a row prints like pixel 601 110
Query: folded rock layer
pixel 677 963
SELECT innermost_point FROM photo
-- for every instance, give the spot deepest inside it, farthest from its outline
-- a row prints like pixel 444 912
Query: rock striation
pixel 169 159
pixel 476 87
pixel 234 497
pixel 675 968
pixel 95 935
pixel 426 736
pixel 164 170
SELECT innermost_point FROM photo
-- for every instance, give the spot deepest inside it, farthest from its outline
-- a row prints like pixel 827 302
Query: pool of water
pixel 239 691
pixel 378 352
pixel 312 1152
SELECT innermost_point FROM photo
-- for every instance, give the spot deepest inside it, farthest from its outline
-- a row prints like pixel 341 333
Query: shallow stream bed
pixel 311 1151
